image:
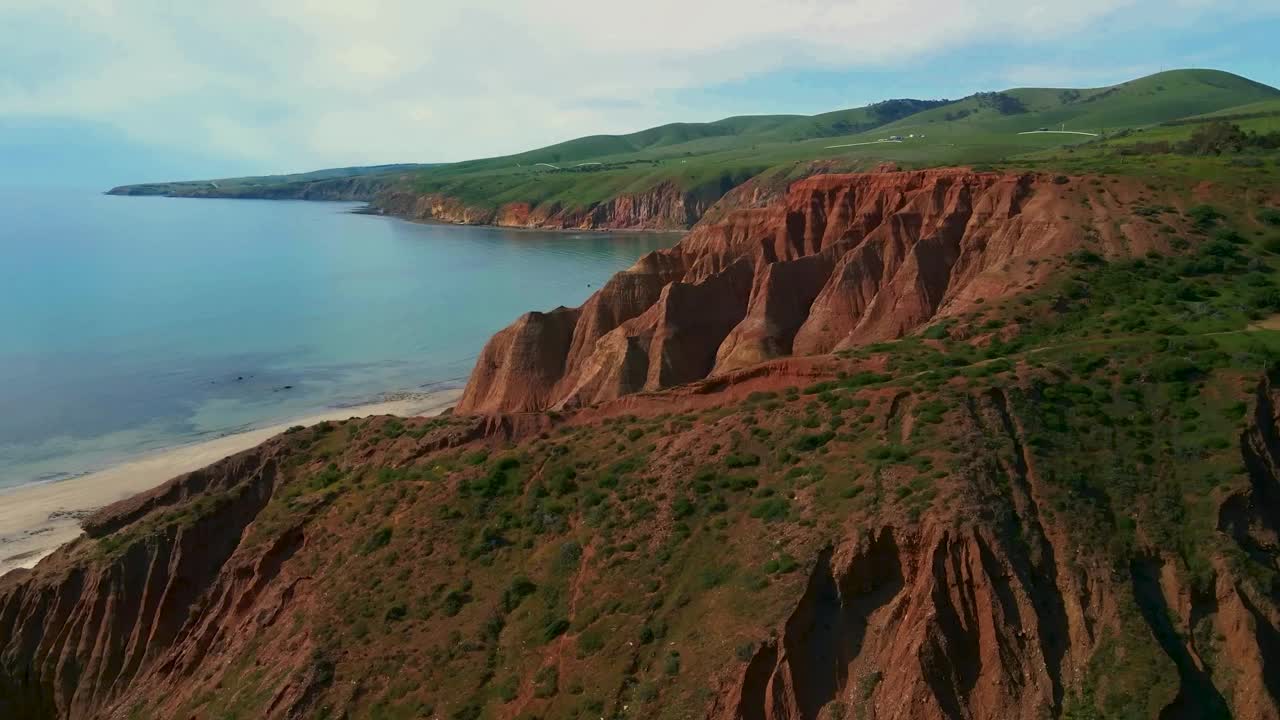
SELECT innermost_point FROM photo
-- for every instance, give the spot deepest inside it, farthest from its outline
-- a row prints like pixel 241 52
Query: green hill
pixel 1146 101
pixel 709 158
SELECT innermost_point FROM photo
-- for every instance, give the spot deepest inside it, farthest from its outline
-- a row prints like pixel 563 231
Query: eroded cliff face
pixel 663 207
pixel 73 638
pixel 957 621
pixel 838 261
pixel 167 585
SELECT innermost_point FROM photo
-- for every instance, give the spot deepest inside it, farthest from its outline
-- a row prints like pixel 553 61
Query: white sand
pixel 36 519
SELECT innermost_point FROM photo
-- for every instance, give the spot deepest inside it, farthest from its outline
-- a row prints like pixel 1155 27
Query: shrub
pixel 454 602
pixel 520 588
pixel 741 461
pixel 892 453
pixel 809 443
pixel 863 378
pixel 682 508
pixel 546 683
pixel 554 627
pixel 378 540
pixel 568 556
pixel 771 509
pixel 325 478
pixel 1174 369
pixel 939 331
pixel 590 642
pixel 508 689
pixel 1204 215
pixel 715 576
pixel 781 565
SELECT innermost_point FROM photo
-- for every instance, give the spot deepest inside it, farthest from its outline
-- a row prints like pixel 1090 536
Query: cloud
pixel 297 84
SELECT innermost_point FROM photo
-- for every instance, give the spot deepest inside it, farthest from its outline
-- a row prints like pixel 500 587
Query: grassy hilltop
pixel 981 128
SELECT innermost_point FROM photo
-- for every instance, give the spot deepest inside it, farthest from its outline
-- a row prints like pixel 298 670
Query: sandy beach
pixel 36 519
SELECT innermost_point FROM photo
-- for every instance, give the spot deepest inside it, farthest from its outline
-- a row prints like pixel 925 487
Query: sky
pixel 105 92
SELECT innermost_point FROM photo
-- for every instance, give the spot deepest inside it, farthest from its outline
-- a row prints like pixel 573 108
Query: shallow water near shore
pixel 132 324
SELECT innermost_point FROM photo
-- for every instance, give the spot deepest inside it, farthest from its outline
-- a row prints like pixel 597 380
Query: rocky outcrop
pixel 835 262
pixel 662 207
pixel 939 623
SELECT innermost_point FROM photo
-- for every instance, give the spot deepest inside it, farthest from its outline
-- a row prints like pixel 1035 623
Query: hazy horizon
pixel 122 92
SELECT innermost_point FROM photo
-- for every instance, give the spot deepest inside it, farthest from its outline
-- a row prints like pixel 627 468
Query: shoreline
pixel 36 519
pixel 370 210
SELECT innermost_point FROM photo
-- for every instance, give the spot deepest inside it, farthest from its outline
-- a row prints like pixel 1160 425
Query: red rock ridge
pixel 838 261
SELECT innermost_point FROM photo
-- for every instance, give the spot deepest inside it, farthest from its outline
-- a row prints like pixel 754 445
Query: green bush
pixel 508 689
pixel 378 540
pixel 546 683
pixel 781 565
pixel 554 627
pixel 1204 215
pixel 741 461
pixel 455 601
pixel 520 588
pixel 671 665
pixel 890 452
pixel 590 641
pixel 771 509
pixel 811 442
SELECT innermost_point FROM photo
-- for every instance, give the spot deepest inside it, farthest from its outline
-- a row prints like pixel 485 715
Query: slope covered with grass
pixel 704 160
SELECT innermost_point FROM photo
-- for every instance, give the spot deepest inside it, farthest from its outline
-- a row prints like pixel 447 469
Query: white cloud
pixel 298 84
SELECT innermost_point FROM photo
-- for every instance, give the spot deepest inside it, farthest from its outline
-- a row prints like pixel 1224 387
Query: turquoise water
pixel 132 324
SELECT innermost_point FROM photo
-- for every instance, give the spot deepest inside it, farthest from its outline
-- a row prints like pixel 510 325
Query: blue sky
pixel 102 92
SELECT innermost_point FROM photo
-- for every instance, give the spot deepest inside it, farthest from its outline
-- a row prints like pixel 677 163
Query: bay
pixel 131 324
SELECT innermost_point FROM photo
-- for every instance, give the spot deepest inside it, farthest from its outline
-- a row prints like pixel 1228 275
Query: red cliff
pixel 662 207
pixel 838 261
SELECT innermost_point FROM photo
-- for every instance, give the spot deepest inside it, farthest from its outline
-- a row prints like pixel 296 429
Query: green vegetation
pixel 707 159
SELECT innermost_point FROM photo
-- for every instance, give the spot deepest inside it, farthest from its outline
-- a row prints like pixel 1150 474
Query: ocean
pixel 132 324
